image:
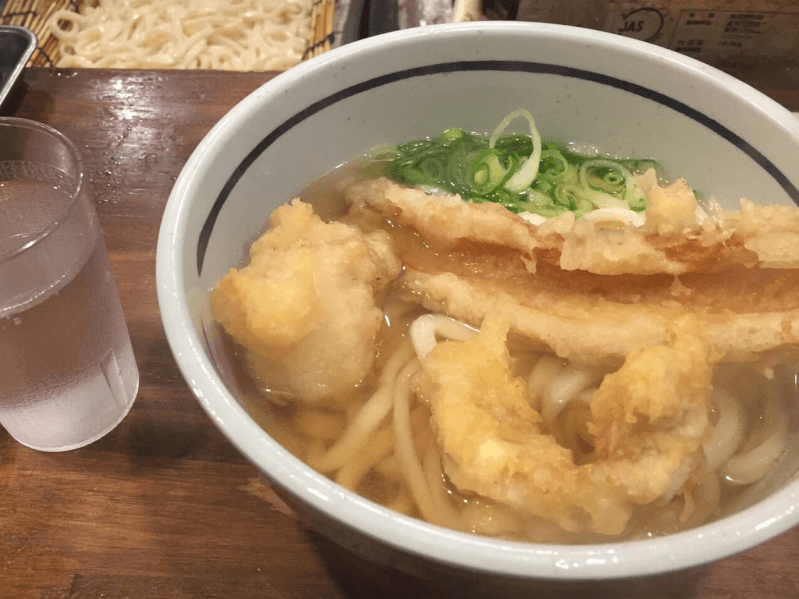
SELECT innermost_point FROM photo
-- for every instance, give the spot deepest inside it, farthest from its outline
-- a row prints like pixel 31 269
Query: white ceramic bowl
pixel 623 96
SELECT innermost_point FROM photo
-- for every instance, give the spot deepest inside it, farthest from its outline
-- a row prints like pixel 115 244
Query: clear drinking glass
pixel 67 371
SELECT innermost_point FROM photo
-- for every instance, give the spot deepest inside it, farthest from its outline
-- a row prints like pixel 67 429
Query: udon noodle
pixel 385 448
pixel 380 439
pixel 239 35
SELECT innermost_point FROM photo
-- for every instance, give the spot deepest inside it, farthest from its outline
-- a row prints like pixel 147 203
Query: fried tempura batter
pixel 306 307
pixel 649 420
pixel 676 239
pixel 492 262
pixel 600 327
pixel 657 306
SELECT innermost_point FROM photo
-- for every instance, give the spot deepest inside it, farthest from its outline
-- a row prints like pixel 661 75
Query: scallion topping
pixel 519 171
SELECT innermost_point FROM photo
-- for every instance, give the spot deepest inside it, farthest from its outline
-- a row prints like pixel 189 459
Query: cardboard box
pixel 740 32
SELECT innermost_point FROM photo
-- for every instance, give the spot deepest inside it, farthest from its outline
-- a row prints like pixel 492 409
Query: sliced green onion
pixel 524 176
pixel 521 172
pixel 553 165
pixel 600 199
pixel 487 172
pixel 627 188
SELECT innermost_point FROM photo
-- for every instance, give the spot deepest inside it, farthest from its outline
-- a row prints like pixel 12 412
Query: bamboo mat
pixel 321 28
pixel 35 14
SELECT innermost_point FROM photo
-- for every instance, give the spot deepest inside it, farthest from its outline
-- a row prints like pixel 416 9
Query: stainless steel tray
pixel 16 47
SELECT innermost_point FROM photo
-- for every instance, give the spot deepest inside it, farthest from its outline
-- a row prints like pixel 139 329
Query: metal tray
pixel 16 47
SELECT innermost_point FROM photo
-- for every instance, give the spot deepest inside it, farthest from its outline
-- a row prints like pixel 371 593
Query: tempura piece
pixel 670 209
pixel 305 308
pixel 678 237
pixel 748 310
pixel 771 232
pixel 443 220
pixel 649 420
pixel 593 329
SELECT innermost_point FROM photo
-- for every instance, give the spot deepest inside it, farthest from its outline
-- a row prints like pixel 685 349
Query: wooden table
pixel 164 506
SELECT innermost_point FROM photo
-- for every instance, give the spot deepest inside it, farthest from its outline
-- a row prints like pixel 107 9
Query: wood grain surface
pixel 164 506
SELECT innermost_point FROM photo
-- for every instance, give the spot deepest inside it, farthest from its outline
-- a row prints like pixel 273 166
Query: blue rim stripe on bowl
pixel 482 65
